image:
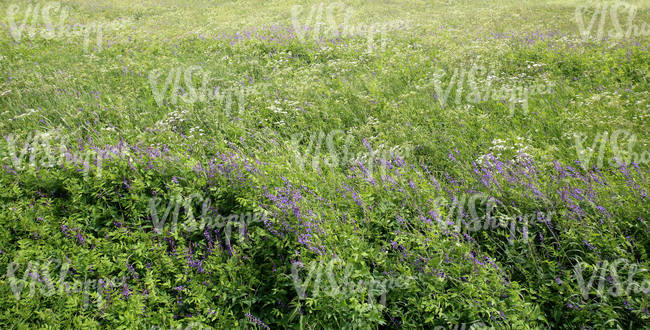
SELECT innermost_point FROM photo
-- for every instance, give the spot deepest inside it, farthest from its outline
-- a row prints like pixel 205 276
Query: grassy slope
pixel 104 98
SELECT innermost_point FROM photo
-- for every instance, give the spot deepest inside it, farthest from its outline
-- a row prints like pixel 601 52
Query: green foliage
pixel 381 226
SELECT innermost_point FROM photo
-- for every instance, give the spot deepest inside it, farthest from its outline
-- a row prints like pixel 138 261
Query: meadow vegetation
pixel 380 207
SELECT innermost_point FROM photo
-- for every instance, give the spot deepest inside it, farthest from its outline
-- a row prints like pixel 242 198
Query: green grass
pixel 244 161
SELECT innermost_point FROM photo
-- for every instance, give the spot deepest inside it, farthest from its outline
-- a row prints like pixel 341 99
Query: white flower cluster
pixel 173 121
pixel 195 129
pixel 521 151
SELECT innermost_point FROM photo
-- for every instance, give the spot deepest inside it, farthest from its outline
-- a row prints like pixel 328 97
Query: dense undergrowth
pixel 403 215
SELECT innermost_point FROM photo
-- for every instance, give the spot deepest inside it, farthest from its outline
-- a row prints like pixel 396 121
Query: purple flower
pixel 256 321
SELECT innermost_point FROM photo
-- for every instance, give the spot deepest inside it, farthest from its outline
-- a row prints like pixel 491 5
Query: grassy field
pixel 469 164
